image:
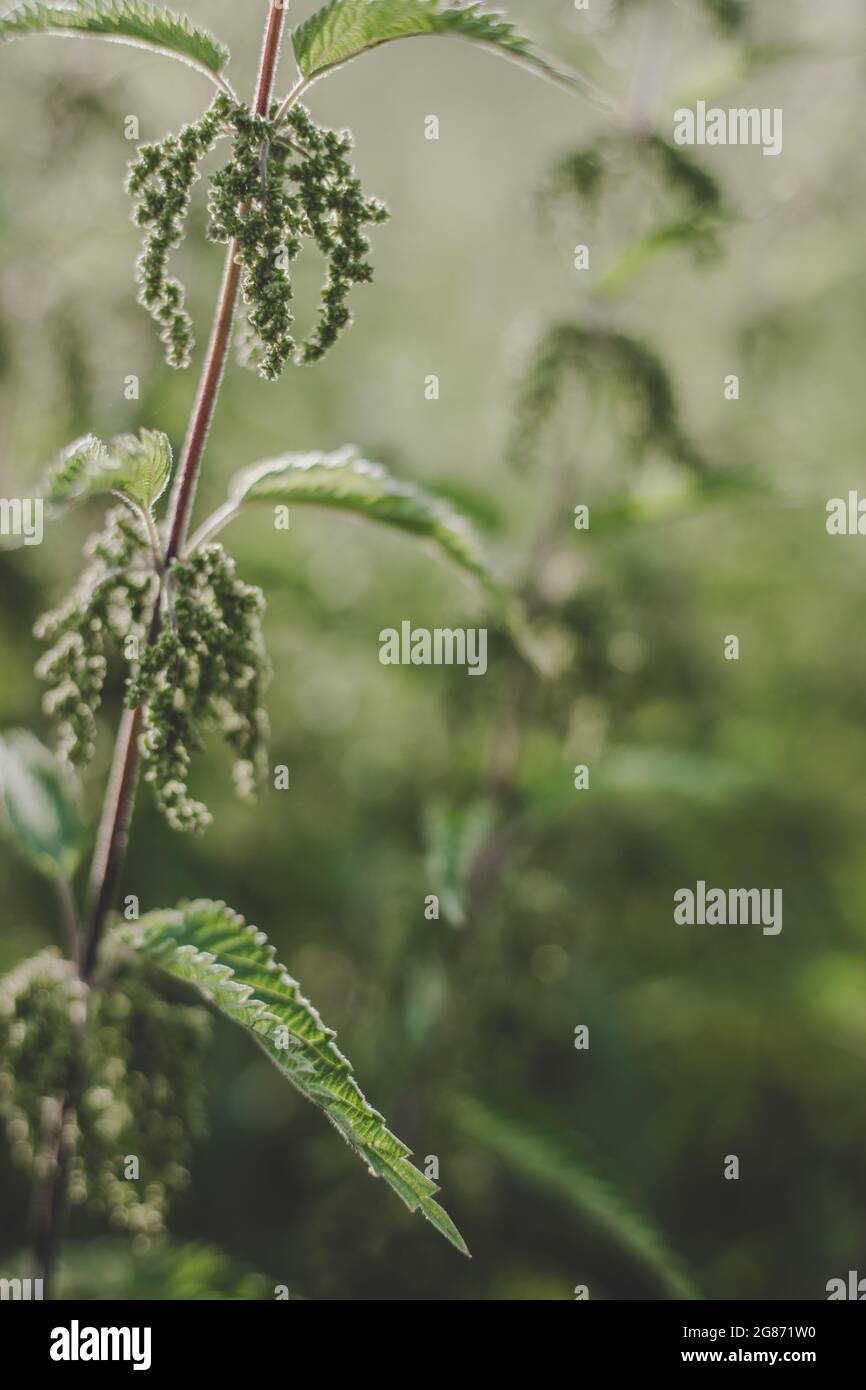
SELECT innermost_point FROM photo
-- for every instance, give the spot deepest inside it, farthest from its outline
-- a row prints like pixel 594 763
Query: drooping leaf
pixel 538 1159
pixel 347 482
pixel 343 29
pixel 212 948
pixel 137 467
pixel 484 512
pixel 120 21
pixel 40 805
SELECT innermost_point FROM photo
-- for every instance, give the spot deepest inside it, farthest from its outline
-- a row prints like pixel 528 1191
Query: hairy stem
pixel 300 86
pixel 183 495
pixel 120 799
pixel 120 794
pixel 212 526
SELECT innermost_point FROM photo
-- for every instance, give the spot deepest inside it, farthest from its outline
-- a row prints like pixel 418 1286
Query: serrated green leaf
pixel 144 464
pixel 40 805
pixel 231 963
pixel 536 1157
pixel 136 467
pixel 123 21
pixel 347 482
pixel 344 29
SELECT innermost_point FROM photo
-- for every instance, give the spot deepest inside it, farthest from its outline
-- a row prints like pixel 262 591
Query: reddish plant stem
pixel 120 794
pixel 202 416
pixel 120 797
pixel 199 428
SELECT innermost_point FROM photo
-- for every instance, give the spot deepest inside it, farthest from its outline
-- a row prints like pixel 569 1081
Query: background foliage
pixel 462 1031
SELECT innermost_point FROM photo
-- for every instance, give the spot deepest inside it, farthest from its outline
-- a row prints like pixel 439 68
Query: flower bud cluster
pixel 285 185
pixel 112 600
pixel 207 670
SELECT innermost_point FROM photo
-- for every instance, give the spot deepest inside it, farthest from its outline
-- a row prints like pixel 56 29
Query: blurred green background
pixel 555 1163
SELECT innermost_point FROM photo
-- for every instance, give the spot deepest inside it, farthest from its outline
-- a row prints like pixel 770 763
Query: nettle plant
pixel 95 1062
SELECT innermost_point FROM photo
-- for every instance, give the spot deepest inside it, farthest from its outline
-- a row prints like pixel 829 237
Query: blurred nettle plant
pixel 95 1063
pixel 638 198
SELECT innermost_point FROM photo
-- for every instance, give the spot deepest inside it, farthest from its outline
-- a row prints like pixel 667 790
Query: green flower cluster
pixel 135 1042
pixel 145 1099
pixel 283 186
pixel 207 669
pixel 336 212
pixel 113 599
pixel 42 1003
pixel 162 180
pixel 248 202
